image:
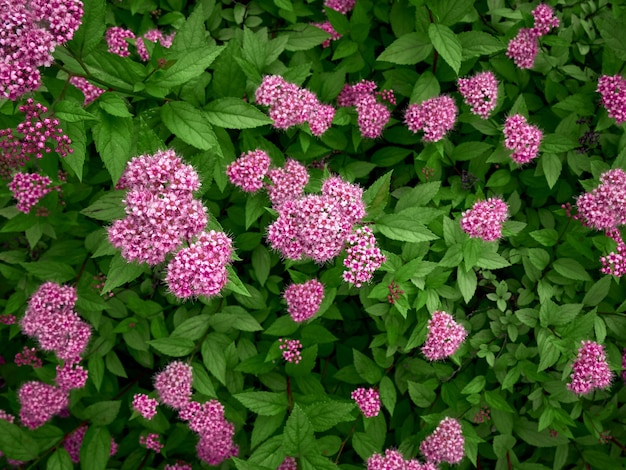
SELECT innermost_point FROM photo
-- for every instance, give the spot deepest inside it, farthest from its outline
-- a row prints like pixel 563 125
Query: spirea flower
pixel 288 464
pixel 372 115
pixel 342 6
pixel 151 442
pixel 444 336
pixel 304 300
pixel 523 138
pixel 484 220
pixel 544 19
pixel 291 349
pixel 28 189
pixel 435 116
pixel 71 376
pixel 348 196
pixel 605 206
pixel 39 402
pixel 153 35
pixel 368 401
pixel 249 170
pixel 91 92
pixel 178 466
pixel 624 365
pixel 8 319
pixel 200 269
pixel 116 39
pixel 613 91
pixel 174 384
pixel 393 460
pixel 590 369
pixel 74 442
pixel 287 183
pixel 363 257
pixel 351 94
pixel 326 26
pixel 28 357
pixel 445 444
pixel 523 48
pixel 144 405
pixel 480 92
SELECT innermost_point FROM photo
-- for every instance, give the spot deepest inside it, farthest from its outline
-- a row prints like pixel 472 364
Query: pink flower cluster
pixel 74 442
pixel 326 26
pixel 444 337
pixel 435 116
pixel 178 466
pixel 590 369
pixel 445 444
pixel 71 376
pixel 613 91
pixel 485 218
pixel 286 183
pixel 393 460
pixel 249 170
pixel 288 464
pixel 174 385
pixel 162 212
pixel 153 35
pixel 524 47
pixel 291 349
pixel 291 105
pixel 116 39
pixel 523 138
pixel 480 92
pixel 372 115
pixel 151 442
pixel 30 33
pixel 304 300
pixel 342 6
pixel 144 405
pixel 90 91
pixel 368 401
pixel 28 189
pixel 50 319
pixel 363 257
pixel 40 402
pixel 216 433
pixel 28 357
pixel 31 138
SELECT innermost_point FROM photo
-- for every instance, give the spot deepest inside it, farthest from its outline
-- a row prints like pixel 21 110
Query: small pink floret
pixel 174 384
pixel 435 116
pixel 368 401
pixel 304 300
pixel 590 369
pixel 484 220
pixel 523 138
pixel 444 337
pixel 445 444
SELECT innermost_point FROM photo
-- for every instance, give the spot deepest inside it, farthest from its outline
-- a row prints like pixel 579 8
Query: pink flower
pixel 39 402
pixel 544 20
pixel 368 401
pixel 90 91
pixel 348 196
pixel 590 369
pixel 523 48
pixel 271 88
pixel 321 119
pixel 624 365
pixel 174 385
pixel 144 405
pixel 363 257
pixel 393 460
pixel 287 183
pixel 342 6
pixel 326 26
pixel 444 336
pixel 351 94
pixel 151 442
pixel 484 220
pixel 523 138
pixel 613 91
pixel 28 357
pixel 372 115
pixel 445 444
pixel 178 466
pixel 248 171
pixel 153 35
pixel 480 92
pixel 71 376
pixel 304 300
pixel 288 464
pixel 29 189
pixel 116 39
pixel 435 116
pixel 604 207
pixel 291 349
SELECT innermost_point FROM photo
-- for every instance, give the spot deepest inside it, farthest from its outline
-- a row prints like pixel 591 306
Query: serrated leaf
pixel 467 282
pixel 477 43
pixel 107 207
pixel 113 138
pixel 92 27
pixel 366 368
pixel 376 196
pixel 403 228
pixel 193 328
pixel 263 403
pixel 234 113
pixel 446 44
pixel 15 443
pixel 50 270
pixel 190 65
pixel 214 358
pixel 298 438
pixel 302 37
pixel 324 415
pixel 408 49
pixel 60 460
pixel 598 291
pixel 96 448
pixel 173 346
pixel 190 124
pixel 103 413
pixel 571 269
pixel 121 272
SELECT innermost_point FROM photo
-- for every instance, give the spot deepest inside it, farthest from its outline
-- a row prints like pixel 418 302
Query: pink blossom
pixel 368 401
pixel 144 405
pixel 62 18
pixel 435 116
pixel 604 208
pixel 445 444
pixel 28 357
pixel 8 319
pixel 71 376
pixel 444 336
pixel 39 402
pixel 271 88
pixel 342 6
pixel 393 460
pixel 304 300
pixel 151 442
pixel 523 48
pixel 590 369
pixel 178 466
pixel 363 257
pixel 624 365
pixel 286 183
pixel 544 20
pixel 291 349
pixel 348 197
pixel 351 94
pixel 523 138
pixel 372 117
pixel 321 119
pixel 326 26
pixel 74 442
pixel 484 220
pixel 249 170
pixel 153 35
pixel 116 39
pixel 28 189
pixel 90 91
pixel 200 269
pixel 480 92
pixel 174 384
pixel 613 91
pixel 288 464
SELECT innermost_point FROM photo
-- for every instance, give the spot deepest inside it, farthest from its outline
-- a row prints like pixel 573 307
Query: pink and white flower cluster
pixel 29 188
pixel 117 36
pixel 521 137
pixel 363 257
pixel 435 116
pixel 372 114
pixel 153 35
pixel 326 26
pixel 342 6
pixel 249 170
pixel 590 369
pixel 368 401
pixel 485 218
pixel 480 92
pixel 30 33
pixel 304 300
pixel 90 90
pixel 524 47
pixel 393 460
pixel 613 91
pixel 292 349
pixel 291 105
pixel 444 337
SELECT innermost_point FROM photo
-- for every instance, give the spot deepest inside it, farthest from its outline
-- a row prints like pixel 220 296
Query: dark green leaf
pixel 190 124
pixel 92 27
pixel 121 272
pixel 263 403
pixel 447 44
pixel 60 460
pixel 15 443
pixel 94 453
pixel 234 113
pixel 103 413
pixel 367 368
pixel 173 346
pixel 407 50
pixel 325 415
pixel 571 269
pixel 113 138
pixel 298 438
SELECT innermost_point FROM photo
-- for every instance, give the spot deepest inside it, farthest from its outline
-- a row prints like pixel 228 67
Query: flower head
pixel 144 405
pixel 151 441
pixel 590 369
pixel 90 90
pixel 71 376
pixel 342 6
pixel 153 35
pixel 484 220
pixel 523 48
pixel 435 116
pixel 326 26
pixel 174 384
pixel 523 138
pixel 304 300
pixel 613 91
pixel 363 257
pixel 116 39
pixel 480 92
pixel 74 442
pixel 444 336
pixel 40 402
pixel 29 189
pixel 368 401
pixel 393 460
pixel 445 444
pixel 291 349
pixel 248 171
pixel 544 19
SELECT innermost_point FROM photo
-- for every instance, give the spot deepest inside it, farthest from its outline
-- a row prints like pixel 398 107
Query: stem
pixel 289 394
pixel 343 444
pixel 436 55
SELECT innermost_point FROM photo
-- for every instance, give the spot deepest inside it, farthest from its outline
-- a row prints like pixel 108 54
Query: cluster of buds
pixel 372 114
pixel 524 47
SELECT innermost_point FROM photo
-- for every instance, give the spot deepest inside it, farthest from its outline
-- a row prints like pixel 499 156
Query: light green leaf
pixel 189 123
pixel 403 228
pixel 571 269
pixel 477 43
pixel 408 49
pixel 302 37
pixel 298 437
pixel 191 64
pixel 121 272
pixel 446 44
pixel 173 346
pixel 96 448
pixel 92 27
pixel 113 139
pixel 324 415
pixel 234 113
pixel 264 403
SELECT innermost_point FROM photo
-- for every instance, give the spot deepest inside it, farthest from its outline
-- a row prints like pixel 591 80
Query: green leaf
pixel 302 37
pixel 202 382
pixel 264 403
pixel 214 358
pixel 113 138
pixel 121 272
pixel 191 64
pixel 239 320
pixel 114 105
pixel 552 167
pixel 50 271
pixel 71 111
pixel 547 236
pixel 16 443
pixel 467 282
pixel 243 465
pixel 408 49
pixel 189 123
pixel 92 27
pixel 60 460
pixel 173 346
pixel 193 328
pixel 477 43
pixel 598 291
pixel 96 448
pixel 403 228
pixel 298 437
pixel 449 12
pixel 261 264
pixel 95 365
pixel 427 86
pixel 364 445
pixel 571 269
pixel 491 260
pixel 377 195
pixel 613 31
pixel 103 413
pixel 476 385
pixel 446 44
pixel 367 368
pixel 495 400
pixel 76 160
pixel 388 394
pixel 114 70
pixel 469 150
pixel 421 395
pixel 107 207
pixel 557 143
pixel 325 415
pixel 191 35
pixel 234 113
